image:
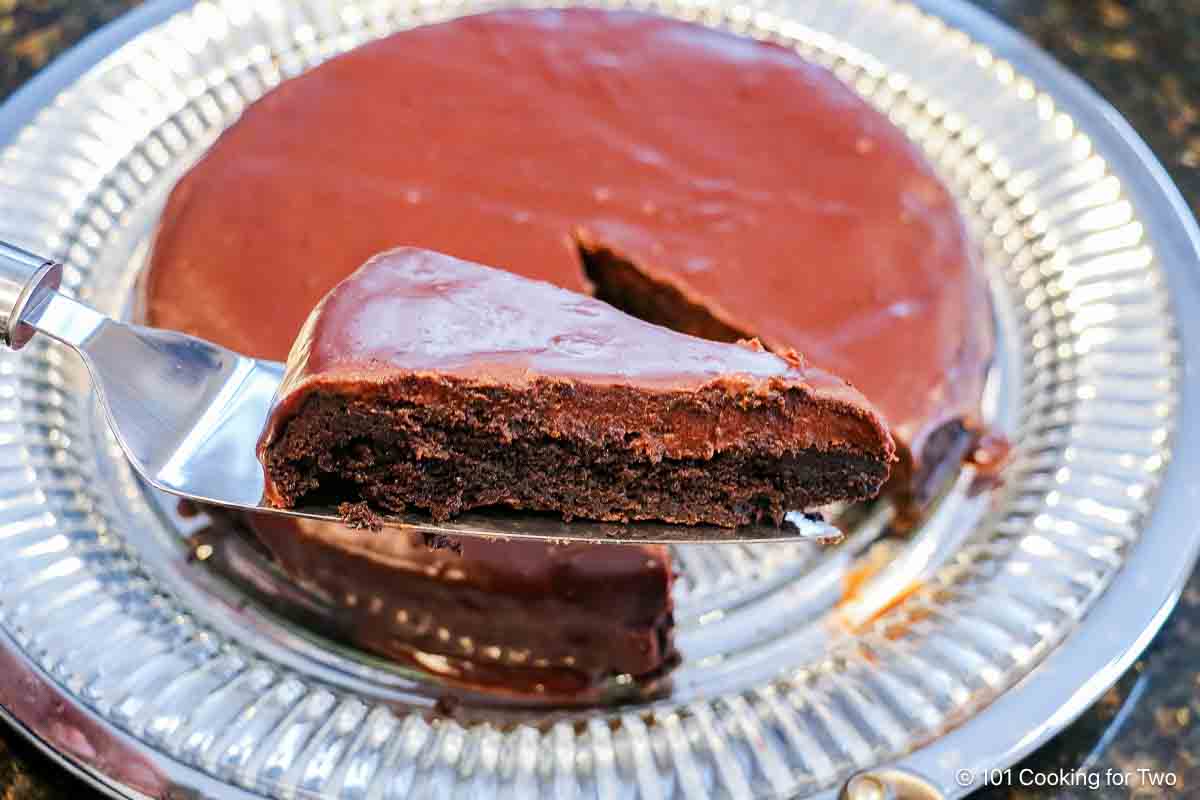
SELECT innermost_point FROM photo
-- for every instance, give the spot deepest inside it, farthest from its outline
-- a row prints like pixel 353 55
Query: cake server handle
pixel 24 277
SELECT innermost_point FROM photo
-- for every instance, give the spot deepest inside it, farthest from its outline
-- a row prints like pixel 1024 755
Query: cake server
pixel 188 414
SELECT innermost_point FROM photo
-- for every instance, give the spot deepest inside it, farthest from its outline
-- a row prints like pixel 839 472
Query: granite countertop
pixel 1144 57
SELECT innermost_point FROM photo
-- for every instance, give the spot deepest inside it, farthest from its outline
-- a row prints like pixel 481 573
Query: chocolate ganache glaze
pixel 706 181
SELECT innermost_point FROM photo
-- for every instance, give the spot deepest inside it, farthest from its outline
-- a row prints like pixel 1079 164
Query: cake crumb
pixel 446 705
pixel 752 344
pixel 794 358
pixel 440 541
pixel 991 453
pixel 825 541
pixel 360 516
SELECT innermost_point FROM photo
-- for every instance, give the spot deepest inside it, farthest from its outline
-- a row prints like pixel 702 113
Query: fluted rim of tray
pixel 1129 566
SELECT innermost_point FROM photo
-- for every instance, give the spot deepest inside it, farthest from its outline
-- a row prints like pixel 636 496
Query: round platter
pixel 922 662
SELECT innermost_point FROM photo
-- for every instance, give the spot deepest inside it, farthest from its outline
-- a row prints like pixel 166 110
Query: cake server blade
pixel 188 414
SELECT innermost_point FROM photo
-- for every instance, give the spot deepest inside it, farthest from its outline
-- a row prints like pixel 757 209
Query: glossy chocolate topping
pixel 750 180
pixel 413 312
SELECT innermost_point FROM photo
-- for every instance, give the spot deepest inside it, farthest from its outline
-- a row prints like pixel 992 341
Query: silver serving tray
pixel 151 675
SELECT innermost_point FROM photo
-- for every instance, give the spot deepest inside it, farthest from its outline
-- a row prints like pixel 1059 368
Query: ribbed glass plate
pixel 801 666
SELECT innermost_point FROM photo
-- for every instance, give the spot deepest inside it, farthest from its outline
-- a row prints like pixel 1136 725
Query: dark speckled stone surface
pixel 1144 56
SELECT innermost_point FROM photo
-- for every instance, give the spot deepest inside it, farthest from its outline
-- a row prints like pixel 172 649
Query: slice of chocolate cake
pixel 430 382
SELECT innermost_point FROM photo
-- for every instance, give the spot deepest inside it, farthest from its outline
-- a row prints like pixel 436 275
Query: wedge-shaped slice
pixel 429 382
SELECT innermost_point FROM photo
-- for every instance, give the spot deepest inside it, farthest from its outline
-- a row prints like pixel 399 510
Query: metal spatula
pixel 188 414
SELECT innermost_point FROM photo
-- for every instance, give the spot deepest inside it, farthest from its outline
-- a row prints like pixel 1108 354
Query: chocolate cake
pixel 616 152
pixel 426 381
pixel 697 179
